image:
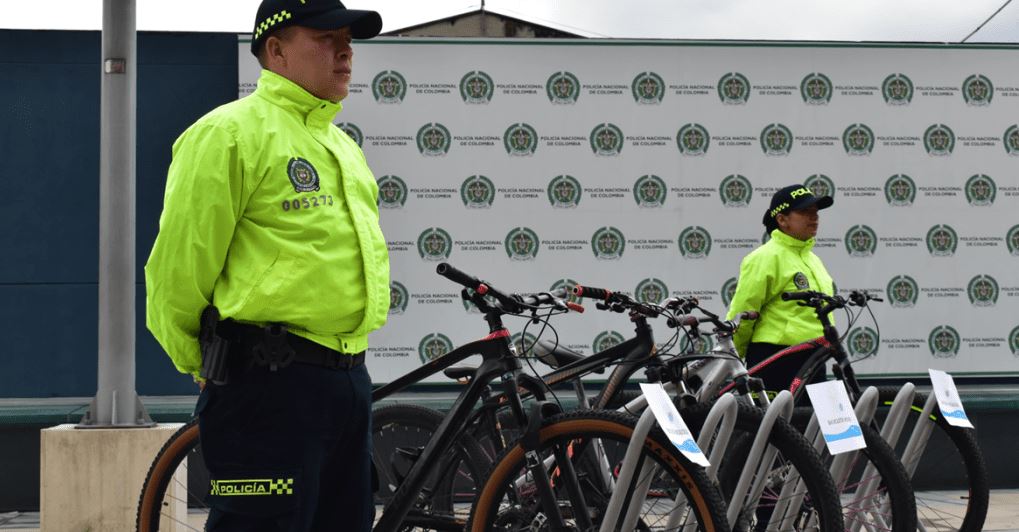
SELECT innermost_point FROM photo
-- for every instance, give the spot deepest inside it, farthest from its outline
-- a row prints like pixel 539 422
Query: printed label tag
pixel 672 423
pixel 837 418
pixel 948 399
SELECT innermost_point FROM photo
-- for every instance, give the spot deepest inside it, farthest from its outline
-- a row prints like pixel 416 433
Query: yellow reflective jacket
pixel 270 214
pixel 783 264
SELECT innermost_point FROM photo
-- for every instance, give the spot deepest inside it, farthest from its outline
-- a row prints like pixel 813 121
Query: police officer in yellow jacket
pixel 786 263
pixel 267 275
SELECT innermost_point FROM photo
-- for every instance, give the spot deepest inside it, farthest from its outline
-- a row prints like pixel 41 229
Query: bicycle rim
pixel 676 490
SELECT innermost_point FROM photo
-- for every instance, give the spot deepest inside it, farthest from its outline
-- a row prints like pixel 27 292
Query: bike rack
pixel 921 435
pixel 760 453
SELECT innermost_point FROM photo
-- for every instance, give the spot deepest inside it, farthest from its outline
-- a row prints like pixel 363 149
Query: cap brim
pixel 363 24
pixel 822 202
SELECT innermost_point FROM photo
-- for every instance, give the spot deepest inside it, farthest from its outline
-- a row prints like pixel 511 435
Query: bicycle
pixel 958 448
pixel 892 505
pixel 560 503
pixel 640 351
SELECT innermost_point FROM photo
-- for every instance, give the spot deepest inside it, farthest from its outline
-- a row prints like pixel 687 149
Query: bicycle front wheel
pixel 796 476
pixel 674 489
pixel 175 488
pixel 952 460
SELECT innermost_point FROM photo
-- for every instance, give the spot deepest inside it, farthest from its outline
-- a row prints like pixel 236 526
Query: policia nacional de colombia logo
pixel 607 140
pixel 568 285
pixel 693 140
pixel 695 242
pixel 606 340
pixel 820 185
pixel 902 292
pixel 982 291
pixel 476 87
pixel 897 89
pixel 434 346
pixel 522 244
pixel 728 290
pixel 302 175
pixel 1012 240
pixel 939 140
pixel 735 191
pixel 562 88
pixel 520 140
pixel 944 342
pixel 564 192
pixel 977 90
pixel 858 139
pixel 434 244
pixel 648 88
pixel 352 131
pixel 863 342
pixel 734 89
pixel 398 298
pixel 523 343
pixel 477 192
pixel 608 243
pixel 652 291
pixel 433 139
pixel 981 190
pixel 1013 341
pixel 942 241
pixel 900 190
pixel 816 89
pixel 252 487
pixel 392 192
pixel 650 191
pixel 861 241
pixel 1011 140
pixel 389 87
pixel 776 140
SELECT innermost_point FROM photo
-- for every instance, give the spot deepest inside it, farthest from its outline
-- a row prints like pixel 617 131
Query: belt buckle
pixel 274 350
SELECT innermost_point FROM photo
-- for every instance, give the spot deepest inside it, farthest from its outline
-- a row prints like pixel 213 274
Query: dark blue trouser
pixel 289 450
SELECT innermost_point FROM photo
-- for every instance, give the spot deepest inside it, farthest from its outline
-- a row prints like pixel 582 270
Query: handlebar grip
pixel 749 315
pixel 797 296
pixel 447 270
pixel 592 293
pixel 684 320
pixel 575 307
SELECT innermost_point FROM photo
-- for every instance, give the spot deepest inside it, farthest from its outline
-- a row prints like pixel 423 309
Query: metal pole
pixel 116 403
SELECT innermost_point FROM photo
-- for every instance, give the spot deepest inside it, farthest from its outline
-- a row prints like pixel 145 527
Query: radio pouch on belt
pixel 214 348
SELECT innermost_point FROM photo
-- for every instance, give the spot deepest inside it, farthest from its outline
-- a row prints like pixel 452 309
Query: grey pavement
pixel 1003 515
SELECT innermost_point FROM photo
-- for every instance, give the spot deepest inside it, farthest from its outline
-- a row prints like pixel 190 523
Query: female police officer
pixel 786 263
pixel 270 215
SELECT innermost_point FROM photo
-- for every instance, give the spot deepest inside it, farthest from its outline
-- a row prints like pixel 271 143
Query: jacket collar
pixel 280 91
pixel 787 241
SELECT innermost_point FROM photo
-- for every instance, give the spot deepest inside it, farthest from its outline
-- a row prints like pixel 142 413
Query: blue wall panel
pixel 49 195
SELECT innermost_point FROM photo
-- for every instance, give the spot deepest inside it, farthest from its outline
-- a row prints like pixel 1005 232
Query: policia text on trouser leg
pixel 285 431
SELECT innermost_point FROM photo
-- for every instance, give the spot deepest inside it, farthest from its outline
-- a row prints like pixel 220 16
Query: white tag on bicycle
pixel 672 423
pixel 948 399
pixel 839 426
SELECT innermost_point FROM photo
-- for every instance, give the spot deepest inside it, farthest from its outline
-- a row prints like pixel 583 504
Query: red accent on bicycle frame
pixel 796 384
pixel 812 344
pixel 501 333
pixel 482 289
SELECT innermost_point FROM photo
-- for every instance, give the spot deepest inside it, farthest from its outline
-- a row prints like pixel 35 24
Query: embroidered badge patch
pixel 800 281
pixel 302 174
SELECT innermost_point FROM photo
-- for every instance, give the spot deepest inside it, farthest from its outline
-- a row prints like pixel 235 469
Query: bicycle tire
pixel 151 502
pixel 952 451
pixel 794 453
pixel 574 428
pixel 896 492
pixel 400 427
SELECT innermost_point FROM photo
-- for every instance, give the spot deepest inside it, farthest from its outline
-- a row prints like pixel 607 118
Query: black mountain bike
pixel 564 498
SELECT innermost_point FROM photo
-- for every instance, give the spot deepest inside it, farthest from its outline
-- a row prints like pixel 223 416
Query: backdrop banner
pixel 646 166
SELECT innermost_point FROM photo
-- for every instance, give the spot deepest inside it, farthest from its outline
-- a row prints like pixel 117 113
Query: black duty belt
pixel 274 346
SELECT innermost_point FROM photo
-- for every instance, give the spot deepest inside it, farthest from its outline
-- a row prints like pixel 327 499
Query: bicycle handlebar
pixel 510 303
pixel 592 292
